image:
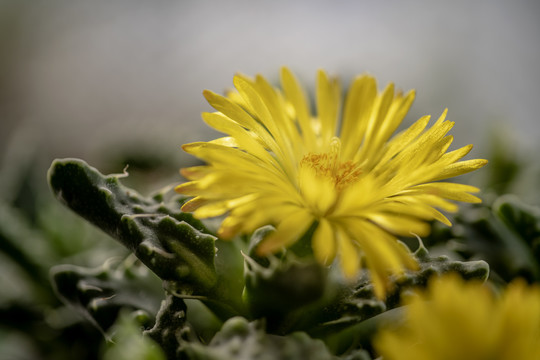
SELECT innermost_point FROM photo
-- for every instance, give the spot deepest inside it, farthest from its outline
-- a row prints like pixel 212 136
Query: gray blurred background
pixel 81 78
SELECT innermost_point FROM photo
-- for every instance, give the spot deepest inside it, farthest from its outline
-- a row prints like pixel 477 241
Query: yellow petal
pixel 244 139
pixel 291 228
pixel 451 191
pixel 400 142
pixel 319 193
pixel 324 243
pixel 328 103
pixel 358 107
pixel 218 208
pixel 400 107
pixel 404 205
pixel 195 172
pixel 293 92
pixel 234 111
pixel 460 168
pixel 254 97
pixel 401 225
pixel 194 204
pixel 380 109
pixel 348 254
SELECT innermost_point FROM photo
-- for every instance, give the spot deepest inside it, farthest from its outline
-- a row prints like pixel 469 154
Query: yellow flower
pixel 281 165
pixel 461 320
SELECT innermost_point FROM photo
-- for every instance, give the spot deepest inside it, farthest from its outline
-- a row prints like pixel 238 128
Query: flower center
pixel 328 166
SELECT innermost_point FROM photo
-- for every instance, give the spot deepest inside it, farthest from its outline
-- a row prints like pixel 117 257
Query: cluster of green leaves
pixel 36 234
pixel 221 300
pixel 168 289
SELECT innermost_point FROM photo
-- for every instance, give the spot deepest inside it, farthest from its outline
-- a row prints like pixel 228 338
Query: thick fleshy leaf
pixel 171 243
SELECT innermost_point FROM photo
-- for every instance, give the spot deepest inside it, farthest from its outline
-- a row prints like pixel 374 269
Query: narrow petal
pixel 451 191
pixel 384 255
pixel 400 107
pixel 294 93
pixel 194 204
pixel 328 103
pixel 234 111
pixel 244 139
pixel 324 242
pixel 319 193
pixel 195 172
pixel 288 231
pixel 358 107
pixel 254 97
pixel 348 254
pixel 460 168
pixel 380 109
pixel 402 140
pixel 271 97
pixel 401 225
pixel 218 208
pixel 413 208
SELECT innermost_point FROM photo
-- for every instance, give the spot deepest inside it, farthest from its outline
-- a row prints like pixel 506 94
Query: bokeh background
pixel 81 76
pixel 119 82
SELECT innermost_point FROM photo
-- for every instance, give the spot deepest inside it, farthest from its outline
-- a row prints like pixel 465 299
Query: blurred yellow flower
pixel 281 165
pixel 457 320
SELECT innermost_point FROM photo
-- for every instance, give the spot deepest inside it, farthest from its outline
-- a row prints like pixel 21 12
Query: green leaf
pixel 128 343
pixel 524 221
pixel 173 244
pixel 171 330
pixel 506 234
pixel 240 339
pixel 284 290
pixel 25 251
pixel 353 317
pixel 99 294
